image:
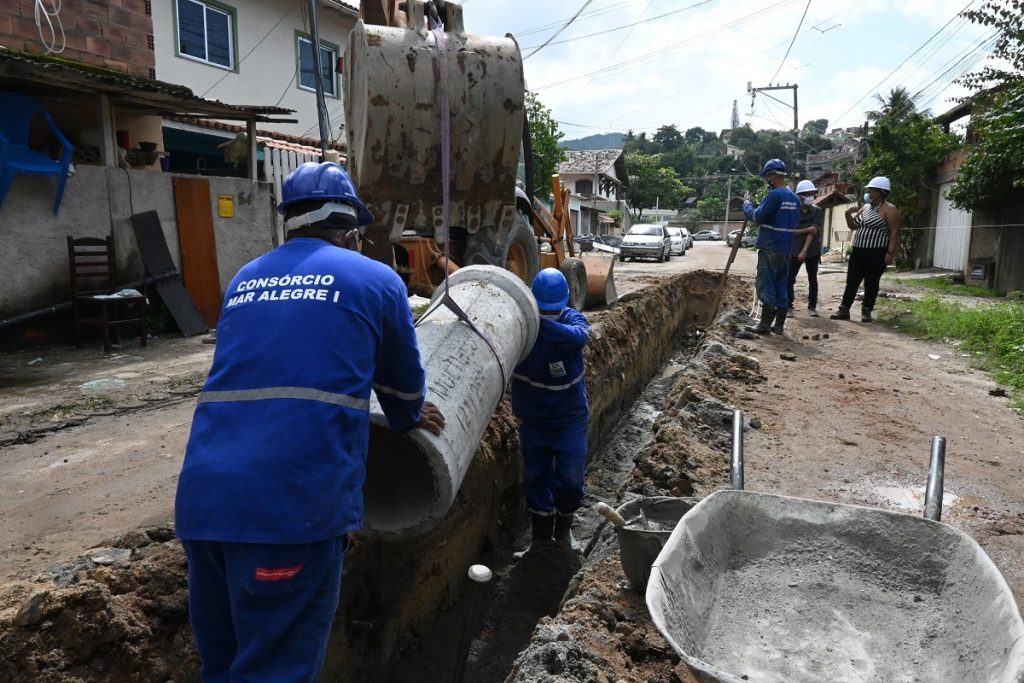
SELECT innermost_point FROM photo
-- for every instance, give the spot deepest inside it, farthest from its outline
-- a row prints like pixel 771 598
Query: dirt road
pixel 90 446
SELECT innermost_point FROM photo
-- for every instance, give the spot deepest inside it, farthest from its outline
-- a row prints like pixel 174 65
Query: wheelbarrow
pixel 766 588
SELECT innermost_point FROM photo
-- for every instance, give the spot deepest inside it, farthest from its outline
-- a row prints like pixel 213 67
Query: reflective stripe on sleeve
pixel 550 387
pixel 404 395
pixel 301 393
pixel 772 227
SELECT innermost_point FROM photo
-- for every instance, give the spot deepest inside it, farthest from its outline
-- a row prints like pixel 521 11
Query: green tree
pixel 544 137
pixel 650 183
pixel 994 167
pixel 668 138
pixel 819 126
pixel 905 145
pixel 711 208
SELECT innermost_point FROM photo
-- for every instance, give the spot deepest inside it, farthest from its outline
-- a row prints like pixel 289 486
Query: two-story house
pixel 597 182
pixel 247 51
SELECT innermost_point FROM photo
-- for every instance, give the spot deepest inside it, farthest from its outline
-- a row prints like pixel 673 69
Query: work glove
pixel 747 207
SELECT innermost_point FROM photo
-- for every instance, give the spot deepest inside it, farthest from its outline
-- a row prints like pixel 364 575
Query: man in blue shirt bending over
pixel 776 218
pixel 549 396
pixel 272 481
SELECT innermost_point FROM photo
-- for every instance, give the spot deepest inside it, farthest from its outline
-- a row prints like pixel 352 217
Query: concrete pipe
pixel 412 479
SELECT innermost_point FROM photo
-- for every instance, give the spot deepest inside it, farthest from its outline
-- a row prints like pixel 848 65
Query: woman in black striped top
pixel 876 227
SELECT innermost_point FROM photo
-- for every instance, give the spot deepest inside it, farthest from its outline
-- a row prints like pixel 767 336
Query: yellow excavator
pixel 399 75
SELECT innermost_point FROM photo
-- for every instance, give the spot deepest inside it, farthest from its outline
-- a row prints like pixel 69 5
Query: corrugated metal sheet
pixel 952 233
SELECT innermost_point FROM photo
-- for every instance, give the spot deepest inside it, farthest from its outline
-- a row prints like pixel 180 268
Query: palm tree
pixel 899 105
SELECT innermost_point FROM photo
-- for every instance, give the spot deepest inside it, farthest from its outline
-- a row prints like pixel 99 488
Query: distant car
pixel 689 238
pixel 680 242
pixel 706 235
pixel 747 241
pixel 646 241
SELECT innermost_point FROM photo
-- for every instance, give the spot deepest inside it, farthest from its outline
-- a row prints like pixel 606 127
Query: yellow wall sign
pixel 225 206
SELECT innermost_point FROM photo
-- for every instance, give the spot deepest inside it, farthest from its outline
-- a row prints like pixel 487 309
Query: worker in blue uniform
pixel 549 397
pixel 273 474
pixel 776 217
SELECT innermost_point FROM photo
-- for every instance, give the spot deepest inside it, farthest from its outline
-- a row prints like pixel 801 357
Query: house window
pixel 206 33
pixel 584 187
pixel 328 62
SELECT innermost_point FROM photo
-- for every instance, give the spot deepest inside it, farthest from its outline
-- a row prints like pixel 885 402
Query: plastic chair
pixel 16 114
pixel 93 265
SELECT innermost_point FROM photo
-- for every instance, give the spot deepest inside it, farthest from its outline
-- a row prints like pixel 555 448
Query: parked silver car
pixel 689 238
pixel 747 241
pixel 706 235
pixel 646 241
pixel 680 241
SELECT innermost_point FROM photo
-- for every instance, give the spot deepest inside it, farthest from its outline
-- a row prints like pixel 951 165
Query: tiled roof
pixel 281 140
pixel 589 161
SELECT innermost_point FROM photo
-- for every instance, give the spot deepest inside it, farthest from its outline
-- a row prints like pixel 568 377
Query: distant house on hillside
pixel 597 182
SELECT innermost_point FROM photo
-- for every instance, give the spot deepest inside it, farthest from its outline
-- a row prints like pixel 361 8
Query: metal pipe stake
pixel 736 475
pixel 933 492
pixel 478 576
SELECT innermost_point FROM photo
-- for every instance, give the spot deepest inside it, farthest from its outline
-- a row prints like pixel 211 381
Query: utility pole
pixel 795 107
pixel 318 77
pixel 728 198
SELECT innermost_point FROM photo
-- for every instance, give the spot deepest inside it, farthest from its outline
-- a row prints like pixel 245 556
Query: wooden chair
pixel 93 264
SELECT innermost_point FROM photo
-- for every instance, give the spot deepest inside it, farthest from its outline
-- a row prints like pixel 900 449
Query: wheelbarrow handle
pixel 933 491
pixel 736 473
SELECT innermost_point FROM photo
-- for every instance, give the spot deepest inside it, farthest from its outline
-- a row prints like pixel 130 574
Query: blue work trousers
pixel 262 613
pixel 554 464
pixel 773 278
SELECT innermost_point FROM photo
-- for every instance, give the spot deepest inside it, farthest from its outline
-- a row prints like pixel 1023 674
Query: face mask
pixel 867 198
pixel 809 201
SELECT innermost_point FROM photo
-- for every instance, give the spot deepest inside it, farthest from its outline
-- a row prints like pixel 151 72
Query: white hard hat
pixel 805 186
pixel 880 183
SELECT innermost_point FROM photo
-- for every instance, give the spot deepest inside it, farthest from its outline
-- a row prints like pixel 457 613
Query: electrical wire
pixel 629 26
pixel 555 34
pixel 802 17
pixel 51 14
pixel 909 57
pixel 661 52
pixel 253 49
pixel 599 11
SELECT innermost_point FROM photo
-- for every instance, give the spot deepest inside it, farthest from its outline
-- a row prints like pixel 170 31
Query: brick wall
pixel 116 34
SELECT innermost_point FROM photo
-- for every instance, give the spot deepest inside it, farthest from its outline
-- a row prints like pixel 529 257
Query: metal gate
pixel 952 233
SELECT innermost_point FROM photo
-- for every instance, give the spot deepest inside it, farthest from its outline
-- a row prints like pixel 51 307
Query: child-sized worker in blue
pixel 776 218
pixel 272 481
pixel 549 397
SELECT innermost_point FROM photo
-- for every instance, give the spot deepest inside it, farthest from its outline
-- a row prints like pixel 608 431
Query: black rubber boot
pixel 780 321
pixel 842 314
pixel 541 534
pixel 767 316
pixel 563 533
pixel 865 315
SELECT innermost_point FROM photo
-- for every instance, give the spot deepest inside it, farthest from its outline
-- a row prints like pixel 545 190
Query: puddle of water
pixel 107 383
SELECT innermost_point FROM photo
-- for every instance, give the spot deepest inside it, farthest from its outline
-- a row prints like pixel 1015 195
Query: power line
pixel 253 49
pixel 586 15
pixel 802 17
pixel 629 26
pixel 660 52
pixel 909 57
pixel 555 34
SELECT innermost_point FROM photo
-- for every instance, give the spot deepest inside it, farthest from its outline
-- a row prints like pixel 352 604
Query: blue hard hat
pixel 550 289
pixel 324 182
pixel 773 166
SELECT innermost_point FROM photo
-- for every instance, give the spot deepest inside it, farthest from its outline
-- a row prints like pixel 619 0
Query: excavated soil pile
pixel 120 613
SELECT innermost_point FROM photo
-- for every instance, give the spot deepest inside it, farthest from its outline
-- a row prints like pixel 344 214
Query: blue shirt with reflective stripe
pixel 278 447
pixel 548 387
pixel 776 217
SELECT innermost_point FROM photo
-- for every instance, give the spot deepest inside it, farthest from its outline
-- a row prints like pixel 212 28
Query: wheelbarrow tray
pixel 764 588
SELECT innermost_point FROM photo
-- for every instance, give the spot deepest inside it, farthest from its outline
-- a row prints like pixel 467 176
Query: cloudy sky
pixel 641 64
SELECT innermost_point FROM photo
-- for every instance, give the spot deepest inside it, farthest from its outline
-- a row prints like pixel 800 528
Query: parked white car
pixel 689 238
pixel 646 241
pixel 679 241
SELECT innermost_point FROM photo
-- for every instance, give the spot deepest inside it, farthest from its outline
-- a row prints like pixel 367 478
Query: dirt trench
pixel 120 613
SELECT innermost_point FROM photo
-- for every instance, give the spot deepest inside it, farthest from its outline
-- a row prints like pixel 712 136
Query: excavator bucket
pixel 393 103
pixel 600 279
